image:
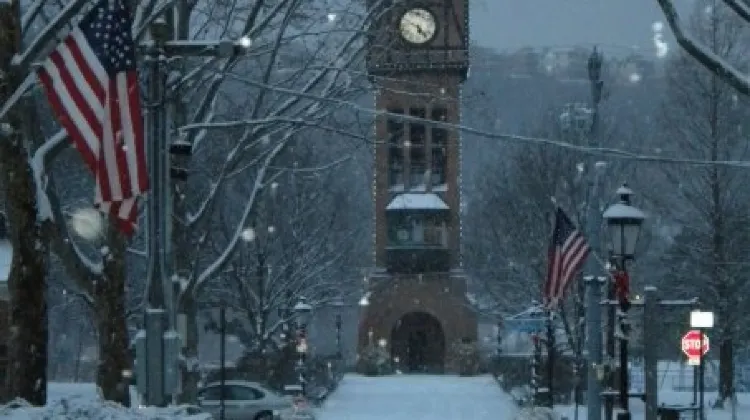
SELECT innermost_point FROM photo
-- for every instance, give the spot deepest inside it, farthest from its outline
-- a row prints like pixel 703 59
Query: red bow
pixel 622 285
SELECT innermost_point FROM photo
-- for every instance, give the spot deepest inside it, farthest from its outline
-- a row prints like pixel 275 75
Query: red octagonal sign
pixel 691 344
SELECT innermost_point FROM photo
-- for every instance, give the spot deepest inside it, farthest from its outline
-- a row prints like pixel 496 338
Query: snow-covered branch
pixel 710 60
pixel 50 32
pixel 223 259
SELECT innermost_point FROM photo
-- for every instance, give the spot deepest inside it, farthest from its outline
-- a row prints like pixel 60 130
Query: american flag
pixel 567 253
pixel 91 82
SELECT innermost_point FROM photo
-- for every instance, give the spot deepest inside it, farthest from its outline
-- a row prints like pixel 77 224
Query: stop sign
pixel 691 344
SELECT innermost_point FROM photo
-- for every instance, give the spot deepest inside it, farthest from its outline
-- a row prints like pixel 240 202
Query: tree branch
pixel 711 61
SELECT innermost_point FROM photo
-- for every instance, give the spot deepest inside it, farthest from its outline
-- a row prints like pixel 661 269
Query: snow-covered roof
pixel 6 255
pixel 417 201
pixel 623 211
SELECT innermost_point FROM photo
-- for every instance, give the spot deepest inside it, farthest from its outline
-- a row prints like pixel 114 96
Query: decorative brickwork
pixel 440 295
pixel 417 298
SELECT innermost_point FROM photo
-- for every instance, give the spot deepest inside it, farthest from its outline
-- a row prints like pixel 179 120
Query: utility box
pixel 171 361
pixel 141 369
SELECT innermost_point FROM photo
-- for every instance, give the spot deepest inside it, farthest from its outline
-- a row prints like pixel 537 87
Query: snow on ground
pixel 78 401
pixel 672 398
pixel 417 397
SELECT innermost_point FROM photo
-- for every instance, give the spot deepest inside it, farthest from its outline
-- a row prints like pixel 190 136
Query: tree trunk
pixel 109 302
pixel 726 371
pixel 28 276
pixel 28 279
pixel 190 366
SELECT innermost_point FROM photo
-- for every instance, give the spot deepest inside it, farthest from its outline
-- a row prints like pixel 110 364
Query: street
pixel 417 397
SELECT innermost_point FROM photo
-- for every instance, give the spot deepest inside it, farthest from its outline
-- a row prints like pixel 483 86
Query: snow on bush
pixel 375 360
pixel 79 408
pixel 537 413
pixel 465 357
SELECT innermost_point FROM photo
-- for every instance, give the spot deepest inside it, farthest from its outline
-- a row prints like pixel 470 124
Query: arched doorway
pixel 418 343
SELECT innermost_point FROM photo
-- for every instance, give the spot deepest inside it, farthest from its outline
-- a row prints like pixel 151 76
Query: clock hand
pixel 415 27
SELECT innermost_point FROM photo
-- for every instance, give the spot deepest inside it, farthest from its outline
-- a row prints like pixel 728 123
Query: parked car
pixel 244 400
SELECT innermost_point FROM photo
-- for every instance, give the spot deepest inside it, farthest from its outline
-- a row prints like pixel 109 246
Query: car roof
pixel 236 383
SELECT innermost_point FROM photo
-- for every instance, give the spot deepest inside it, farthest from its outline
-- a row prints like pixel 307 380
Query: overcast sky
pixel 620 24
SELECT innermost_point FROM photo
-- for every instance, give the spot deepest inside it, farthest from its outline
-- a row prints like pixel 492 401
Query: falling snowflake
pixel 248 235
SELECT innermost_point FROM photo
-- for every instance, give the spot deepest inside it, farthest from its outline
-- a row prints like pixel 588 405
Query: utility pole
pixel 593 223
pixel 158 344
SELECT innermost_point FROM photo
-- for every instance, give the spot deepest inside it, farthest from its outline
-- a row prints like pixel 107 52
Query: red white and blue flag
pixel 91 82
pixel 567 253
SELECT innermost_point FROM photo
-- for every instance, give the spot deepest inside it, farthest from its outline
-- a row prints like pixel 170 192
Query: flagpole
pixel 550 357
pixel 158 344
pixel 159 362
pixel 549 326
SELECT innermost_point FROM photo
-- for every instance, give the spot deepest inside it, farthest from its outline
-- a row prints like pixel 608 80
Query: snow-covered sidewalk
pixel 417 397
pixel 79 401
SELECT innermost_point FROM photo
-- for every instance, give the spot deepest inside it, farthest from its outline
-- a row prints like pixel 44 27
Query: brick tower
pixel 417 59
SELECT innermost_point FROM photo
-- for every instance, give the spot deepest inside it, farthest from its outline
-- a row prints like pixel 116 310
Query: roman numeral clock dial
pixel 418 26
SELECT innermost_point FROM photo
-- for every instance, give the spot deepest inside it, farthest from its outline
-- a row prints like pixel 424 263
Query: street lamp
pixel 302 312
pixel 624 225
pixel 365 300
pixel 338 303
pixel 302 315
pixel 701 320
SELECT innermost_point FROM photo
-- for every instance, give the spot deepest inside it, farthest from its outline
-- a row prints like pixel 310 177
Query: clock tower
pixel 417 59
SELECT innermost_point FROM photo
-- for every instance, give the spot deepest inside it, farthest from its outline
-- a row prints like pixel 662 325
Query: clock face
pixel 418 26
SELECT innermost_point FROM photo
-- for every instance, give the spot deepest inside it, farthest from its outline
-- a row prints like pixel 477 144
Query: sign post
pixel 694 345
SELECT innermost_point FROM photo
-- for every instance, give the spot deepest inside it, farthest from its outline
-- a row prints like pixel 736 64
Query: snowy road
pixel 417 397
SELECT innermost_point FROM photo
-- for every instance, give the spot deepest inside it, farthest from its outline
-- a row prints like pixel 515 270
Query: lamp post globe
pixel 302 311
pixel 337 302
pixel 624 223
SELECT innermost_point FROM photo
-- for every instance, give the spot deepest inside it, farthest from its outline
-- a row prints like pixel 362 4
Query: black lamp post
pixel 302 314
pixel 6 256
pixel 624 226
pixel 338 303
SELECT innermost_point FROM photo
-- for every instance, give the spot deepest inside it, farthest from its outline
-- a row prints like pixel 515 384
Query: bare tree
pixel 27 280
pixel 697 48
pixel 705 119
pixel 36 218
pixel 301 67
pixel 300 58
pixel 288 252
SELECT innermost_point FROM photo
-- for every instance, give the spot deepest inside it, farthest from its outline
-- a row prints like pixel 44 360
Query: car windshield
pixel 403 209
